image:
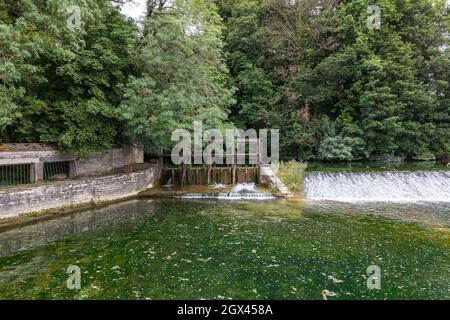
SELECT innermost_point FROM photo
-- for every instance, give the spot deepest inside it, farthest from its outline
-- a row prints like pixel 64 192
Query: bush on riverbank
pixel 291 173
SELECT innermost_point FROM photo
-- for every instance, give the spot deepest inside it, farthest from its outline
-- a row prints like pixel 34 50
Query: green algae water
pixel 210 249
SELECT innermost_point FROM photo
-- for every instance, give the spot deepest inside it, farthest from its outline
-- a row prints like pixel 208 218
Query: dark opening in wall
pixel 56 170
pixel 15 174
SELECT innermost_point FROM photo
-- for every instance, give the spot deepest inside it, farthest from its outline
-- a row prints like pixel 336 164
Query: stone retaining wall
pixel 69 192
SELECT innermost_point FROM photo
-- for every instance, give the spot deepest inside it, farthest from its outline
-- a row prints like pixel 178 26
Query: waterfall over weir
pixel 431 186
pixel 180 176
pixel 241 191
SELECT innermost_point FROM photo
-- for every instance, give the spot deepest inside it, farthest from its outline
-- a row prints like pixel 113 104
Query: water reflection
pixel 39 234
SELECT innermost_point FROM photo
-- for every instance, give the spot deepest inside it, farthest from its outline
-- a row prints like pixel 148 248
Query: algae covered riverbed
pixel 209 249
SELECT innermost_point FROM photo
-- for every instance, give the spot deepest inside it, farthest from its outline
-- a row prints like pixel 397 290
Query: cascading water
pixel 429 186
pixel 241 191
pixel 244 187
pixel 218 186
pixel 168 184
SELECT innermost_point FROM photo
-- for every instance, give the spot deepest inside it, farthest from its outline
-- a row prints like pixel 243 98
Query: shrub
pixel 339 148
pixel 291 173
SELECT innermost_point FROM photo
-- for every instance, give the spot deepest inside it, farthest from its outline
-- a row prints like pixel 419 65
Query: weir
pixel 397 186
pixel 232 173
pixel 182 176
pixel 232 181
pixel 241 191
pixel 245 163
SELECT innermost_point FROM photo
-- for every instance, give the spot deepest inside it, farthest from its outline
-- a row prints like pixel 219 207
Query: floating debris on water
pixel 335 280
pixel 325 293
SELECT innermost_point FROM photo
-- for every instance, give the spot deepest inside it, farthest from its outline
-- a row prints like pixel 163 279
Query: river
pixel 245 249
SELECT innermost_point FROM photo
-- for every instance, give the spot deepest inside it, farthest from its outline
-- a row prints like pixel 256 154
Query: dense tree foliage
pixel 61 85
pixel 336 89
pixel 183 76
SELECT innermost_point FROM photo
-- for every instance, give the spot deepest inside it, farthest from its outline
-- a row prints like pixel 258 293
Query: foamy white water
pixel 429 186
pixel 242 187
pixel 241 191
pixel 229 196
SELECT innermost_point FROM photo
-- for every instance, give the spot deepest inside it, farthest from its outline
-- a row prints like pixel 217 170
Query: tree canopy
pixel 63 86
pixel 336 89
pixel 183 76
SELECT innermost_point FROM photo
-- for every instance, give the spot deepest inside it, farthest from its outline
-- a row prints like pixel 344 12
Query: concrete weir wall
pixel 269 178
pixel 101 188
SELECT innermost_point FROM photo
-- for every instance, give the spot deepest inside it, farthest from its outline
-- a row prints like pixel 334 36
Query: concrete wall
pixel 269 178
pixel 23 200
pixel 103 162
pixel 94 164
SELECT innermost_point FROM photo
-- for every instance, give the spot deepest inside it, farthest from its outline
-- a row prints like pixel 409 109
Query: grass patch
pixel 291 173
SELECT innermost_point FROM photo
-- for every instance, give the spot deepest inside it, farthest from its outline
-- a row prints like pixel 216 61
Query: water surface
pixel 210 249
